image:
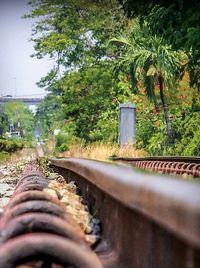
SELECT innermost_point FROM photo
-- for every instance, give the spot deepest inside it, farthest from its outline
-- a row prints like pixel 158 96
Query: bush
pixel 189 143
pixel 62 142
pixel 4 156
pixel 152 137
pixel 63 148
pixel 10 145
pixel 107 128
pixel 65 138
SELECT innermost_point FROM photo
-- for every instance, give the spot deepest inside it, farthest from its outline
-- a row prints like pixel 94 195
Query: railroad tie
pixel 36 231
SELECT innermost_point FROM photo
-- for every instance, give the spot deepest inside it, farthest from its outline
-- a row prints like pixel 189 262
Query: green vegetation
pixel 21 118
pixel 10 145
pixel 3 121
pixel 109 52
pixel 16 128
pixel 153 62
pixel 4 156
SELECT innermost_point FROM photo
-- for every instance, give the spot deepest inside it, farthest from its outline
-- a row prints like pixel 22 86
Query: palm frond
pixel 120 40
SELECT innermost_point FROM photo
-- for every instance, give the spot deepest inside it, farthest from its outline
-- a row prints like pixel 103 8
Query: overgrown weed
pixel 101 151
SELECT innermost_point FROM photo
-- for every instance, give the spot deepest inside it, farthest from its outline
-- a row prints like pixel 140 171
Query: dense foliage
pixel 21 118
pixel 16 127
pixel 48 115
pixel 108 52
pixel 10 145
pixel 3 121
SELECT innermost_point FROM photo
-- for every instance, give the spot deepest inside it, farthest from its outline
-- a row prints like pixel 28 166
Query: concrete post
pixel 127 123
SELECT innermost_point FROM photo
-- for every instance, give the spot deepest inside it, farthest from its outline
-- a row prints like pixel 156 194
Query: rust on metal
pixel 31 195
pixel 36 246
pixel 166 165
pixel 39 222
pixel 29 187
pixel 34 206
pixel 178 168
pixel 36 231
pixel 147 220
pixel 33 180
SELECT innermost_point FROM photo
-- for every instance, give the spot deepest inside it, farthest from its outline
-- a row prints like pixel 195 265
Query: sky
pixel 18 71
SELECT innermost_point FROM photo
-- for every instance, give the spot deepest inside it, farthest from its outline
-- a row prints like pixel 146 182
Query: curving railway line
pixel 148 220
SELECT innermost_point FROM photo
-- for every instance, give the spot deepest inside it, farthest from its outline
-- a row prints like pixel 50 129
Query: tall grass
pixel 100 151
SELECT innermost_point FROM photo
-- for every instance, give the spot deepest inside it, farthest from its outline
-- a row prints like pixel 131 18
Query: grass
pixel 100 151
pixel 4 157
pixel 26 154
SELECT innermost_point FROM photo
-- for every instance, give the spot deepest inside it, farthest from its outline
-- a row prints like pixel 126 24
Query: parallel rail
pixel 148 220
pixel 187 166
pixel 186 159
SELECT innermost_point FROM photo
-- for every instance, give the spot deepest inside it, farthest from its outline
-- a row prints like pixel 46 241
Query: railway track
pixel 184 166
pixel 147 220
pixel 37 232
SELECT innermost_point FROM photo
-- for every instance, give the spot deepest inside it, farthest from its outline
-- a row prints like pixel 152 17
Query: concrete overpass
pixel 28 101
pixel 31 102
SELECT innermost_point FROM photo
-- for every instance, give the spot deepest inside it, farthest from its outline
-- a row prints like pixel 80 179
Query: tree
pixel 74 33
pixel 177 22
pixel 152 61
pixel 20 117
pixel 87 93
pixel 49 115
pixel 150 57
pixel 3 121
pixel 143 7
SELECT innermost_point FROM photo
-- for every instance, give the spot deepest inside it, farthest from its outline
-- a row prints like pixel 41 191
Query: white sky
pixel 18 71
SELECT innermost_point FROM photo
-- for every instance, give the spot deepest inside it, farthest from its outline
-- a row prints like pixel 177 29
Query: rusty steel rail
pixel 39 150
pixel 166 165
pixel 36 231
pixel 148 220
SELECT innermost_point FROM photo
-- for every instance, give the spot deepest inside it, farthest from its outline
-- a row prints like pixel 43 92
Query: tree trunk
pixel 155 102
pixel 150 88
pixel 133 81
pixel 165 110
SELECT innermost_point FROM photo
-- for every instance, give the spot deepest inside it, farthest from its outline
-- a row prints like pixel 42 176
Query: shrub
pixel 4 156
pixel 10 145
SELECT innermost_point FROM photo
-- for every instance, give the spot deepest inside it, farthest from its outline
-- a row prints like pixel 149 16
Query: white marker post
pixel 127 124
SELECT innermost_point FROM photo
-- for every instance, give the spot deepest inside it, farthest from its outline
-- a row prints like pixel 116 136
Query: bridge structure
pixel 31 101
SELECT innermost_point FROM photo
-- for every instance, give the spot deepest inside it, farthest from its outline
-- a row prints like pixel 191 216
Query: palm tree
pixel 153 61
